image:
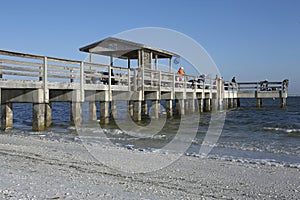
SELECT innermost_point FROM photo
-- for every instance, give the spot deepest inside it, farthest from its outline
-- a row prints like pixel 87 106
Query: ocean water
pixel 269 135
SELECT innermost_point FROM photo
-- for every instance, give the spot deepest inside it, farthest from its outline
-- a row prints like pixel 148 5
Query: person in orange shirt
pixel 182 73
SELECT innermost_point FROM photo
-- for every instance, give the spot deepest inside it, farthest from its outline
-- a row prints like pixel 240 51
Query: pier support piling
pixel 235 102
pixel 7 116
pixel 76 108
pixel 238 102
pixel 225 103
pixel 38 120
pixel 76 113
pixel 48 114
pixel 130 108
pixel 214 104
pixel 259 102
pixel 230 103
pixel 201 105
pixel 180 106
pixel 92 111
pixel 169 108
pixel 104 112
pixel 144 108
pixel 113 109
pixel 192 105
pixel 207 104
pixel 137 110
pixel 155 108
pixel 186 106
pixel 283 102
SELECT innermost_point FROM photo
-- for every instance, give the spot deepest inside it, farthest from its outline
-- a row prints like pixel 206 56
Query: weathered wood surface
pixel 57 73
pixel 40 80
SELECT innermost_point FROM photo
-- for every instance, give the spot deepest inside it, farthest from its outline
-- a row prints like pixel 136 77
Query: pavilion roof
pixel 125 49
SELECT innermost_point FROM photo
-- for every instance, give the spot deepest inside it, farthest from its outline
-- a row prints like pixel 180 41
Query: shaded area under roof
pixel 125 49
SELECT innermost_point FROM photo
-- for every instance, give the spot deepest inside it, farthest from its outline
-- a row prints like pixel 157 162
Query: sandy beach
pixel 37 168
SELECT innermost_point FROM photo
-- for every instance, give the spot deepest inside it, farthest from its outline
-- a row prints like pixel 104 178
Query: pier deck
pixel 40 80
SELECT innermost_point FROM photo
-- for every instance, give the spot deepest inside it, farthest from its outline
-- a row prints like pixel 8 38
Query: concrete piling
pixel 113 109
pixel 48 114
pixel 155 109
pixel 207 105
pixel 259 102
pixel 76 113
pixel 137 110
pixel 104 112
pixel 130 108
pixel 92 111
pixel 283 102
pixel 201 104
pixel 38 120
pixel 169 108
pixel 7 116
pixel 144 108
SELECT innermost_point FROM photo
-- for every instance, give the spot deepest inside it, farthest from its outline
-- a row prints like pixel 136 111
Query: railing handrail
pixel 66 70
pixel 39 57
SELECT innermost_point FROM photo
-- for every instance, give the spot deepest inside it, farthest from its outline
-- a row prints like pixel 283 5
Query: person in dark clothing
pixel 105 80
pixel 233 80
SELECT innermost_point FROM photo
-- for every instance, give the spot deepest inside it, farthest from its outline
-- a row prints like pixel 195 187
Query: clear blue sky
pixel 251 39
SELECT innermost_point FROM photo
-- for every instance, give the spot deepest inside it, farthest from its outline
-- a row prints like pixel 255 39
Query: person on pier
pixel 233 82
pixel 181 74
pixel 264 85
pixel 285 84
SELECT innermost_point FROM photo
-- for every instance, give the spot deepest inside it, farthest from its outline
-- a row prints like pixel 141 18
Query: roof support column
pixel 170 65
pixel 111 61
pixel 156 62
pixel 90 57
pixel 139 58
pixel 150 60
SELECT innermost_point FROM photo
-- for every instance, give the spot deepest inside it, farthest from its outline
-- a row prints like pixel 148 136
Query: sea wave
pixel 270 148
pixel 286 130
pixel 267 162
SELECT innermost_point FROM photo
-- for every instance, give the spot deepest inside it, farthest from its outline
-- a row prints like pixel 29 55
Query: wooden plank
pixel 20 74
pixel 63 67
pixel 62 72
pixel 38 57
pixel 57 76
pixel 7 61
pixel 12 68
pixel 88 64
pixel 65 61
pixel 18 54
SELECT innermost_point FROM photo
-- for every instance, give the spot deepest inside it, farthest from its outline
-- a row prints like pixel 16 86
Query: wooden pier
pixel 41 80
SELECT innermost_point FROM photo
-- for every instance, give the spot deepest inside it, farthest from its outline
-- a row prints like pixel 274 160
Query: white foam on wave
pixel 254 147
pixel 286 130
pixel 267 162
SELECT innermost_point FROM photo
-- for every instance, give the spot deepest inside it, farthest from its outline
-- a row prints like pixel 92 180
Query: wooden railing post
pixel 159 80
pixel 1 70
pixel 143 78
pixel 129 79
pixel 41 71
pixel 135 79
pixel 109 78
pixel 174 83
pixel 82 81
pixel 45 79
pixel 71 75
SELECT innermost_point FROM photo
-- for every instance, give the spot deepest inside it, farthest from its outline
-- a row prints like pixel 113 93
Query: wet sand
pixel 33 168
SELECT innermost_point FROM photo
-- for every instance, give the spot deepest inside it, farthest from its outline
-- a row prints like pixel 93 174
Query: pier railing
pixel 47 70
pixel 262 86
pixel 29 67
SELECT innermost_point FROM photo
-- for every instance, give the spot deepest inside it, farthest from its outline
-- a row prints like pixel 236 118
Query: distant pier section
pixel 41 80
